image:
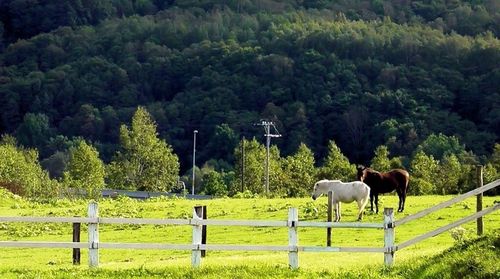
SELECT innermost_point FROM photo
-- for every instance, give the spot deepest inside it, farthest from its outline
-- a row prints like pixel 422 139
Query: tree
pixel 300 172
pixel 423 168
pixel 85 171
pixel 223 141
pixel 449 173
pixel 440 145
pixel 34 131
pixel 337 166
pixel 381 161
pixel 213 184
pixel 21 173
pixel 145 163
pixel 491 174
pixel 252 167
pixel 495 157
pixel 55 164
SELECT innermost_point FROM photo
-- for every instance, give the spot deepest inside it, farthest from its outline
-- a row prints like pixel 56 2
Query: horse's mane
pixel 370 170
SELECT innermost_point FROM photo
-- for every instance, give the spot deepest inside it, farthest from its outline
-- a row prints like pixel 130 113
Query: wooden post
pixel 389 236
pixel 201 212
pixel 329 219
pixel 93 230
pixel 197 236
pixel 76 238
pixel 293 238
pixel 479 199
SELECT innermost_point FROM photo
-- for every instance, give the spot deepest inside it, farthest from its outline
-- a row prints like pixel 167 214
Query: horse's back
pixel 386 182
pixel 401 177
pixel 352 191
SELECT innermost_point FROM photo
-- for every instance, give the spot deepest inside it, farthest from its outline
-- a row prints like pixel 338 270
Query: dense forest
pixel 361 74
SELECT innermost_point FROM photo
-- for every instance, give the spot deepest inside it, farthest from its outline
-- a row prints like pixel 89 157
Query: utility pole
pixel 243 164
pixel 194 160
pixel 267 127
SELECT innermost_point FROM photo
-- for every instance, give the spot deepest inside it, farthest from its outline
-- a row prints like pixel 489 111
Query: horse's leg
pixel 404 201
pixel 335 209
pixel 360 209
pixel 400 196
pixel 340 211
pixel 376 203
pixel 371 201
pixel 361 205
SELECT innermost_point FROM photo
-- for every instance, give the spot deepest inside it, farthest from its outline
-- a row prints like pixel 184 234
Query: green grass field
pixel 56 263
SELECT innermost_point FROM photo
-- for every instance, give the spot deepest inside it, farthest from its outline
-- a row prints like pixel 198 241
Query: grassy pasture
pixel 50 261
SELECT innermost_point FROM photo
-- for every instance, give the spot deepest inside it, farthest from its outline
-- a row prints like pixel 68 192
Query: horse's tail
pixel 366 198
pixel 407 180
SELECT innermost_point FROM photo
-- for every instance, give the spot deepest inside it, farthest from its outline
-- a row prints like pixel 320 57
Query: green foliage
pixel 423 170
pixel 213 184
pixel 495 157
pixel 85 170
pixel 441 145
pixel 145 163
pixel 252 165
pixel 336 165
pixel 300 172
pixel 21 173
pixel 34 131
pixel 381 161
pixel 361 73
pixel 448 176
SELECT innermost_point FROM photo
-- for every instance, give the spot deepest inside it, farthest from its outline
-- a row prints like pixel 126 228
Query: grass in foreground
pixel 56 263
pixel 476 258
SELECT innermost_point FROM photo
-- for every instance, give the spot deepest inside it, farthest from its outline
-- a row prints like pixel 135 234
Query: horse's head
pixel 318 189
pixel 361 172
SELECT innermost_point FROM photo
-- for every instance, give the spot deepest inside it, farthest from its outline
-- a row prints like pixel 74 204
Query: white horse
pixel 343 192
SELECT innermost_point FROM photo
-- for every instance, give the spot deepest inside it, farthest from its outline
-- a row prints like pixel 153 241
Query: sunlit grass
pixel 230 209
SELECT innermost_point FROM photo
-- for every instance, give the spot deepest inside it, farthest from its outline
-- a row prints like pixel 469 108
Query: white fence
pixel 293 247
pixel 94 245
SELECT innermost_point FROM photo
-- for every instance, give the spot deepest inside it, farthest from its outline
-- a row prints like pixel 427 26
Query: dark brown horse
pixel 385 182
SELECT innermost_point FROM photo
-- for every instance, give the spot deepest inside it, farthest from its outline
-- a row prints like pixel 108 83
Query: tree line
pixel 321 70
pixel 147 163
pixel 22 19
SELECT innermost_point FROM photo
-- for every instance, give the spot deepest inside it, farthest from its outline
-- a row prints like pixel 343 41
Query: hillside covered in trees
pixel 405 75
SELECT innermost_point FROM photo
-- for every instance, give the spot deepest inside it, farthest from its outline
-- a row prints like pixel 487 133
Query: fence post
pixel 293 238
pixel 389 236
pixel 197 236
pixel 93 230
pixel 329 219
pixel 76 238
pixel 479 199
pixel 201 211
